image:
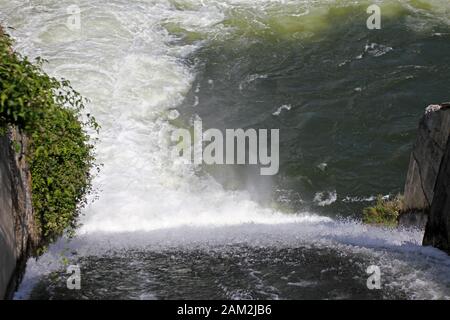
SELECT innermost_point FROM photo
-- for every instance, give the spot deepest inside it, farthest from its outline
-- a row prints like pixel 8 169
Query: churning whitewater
pixel 129 61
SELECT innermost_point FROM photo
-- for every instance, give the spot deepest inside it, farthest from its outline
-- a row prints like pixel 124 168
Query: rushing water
pixel 346 100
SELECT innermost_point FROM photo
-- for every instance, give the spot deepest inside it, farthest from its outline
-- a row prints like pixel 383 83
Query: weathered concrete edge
pixel 7 235
pixel 20 235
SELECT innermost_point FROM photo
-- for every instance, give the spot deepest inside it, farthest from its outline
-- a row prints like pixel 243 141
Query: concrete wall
pixel 19 234
pixel 8 255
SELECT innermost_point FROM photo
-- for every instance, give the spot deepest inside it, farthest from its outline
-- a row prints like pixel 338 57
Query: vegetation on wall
pixel 60 155
pixel 385 211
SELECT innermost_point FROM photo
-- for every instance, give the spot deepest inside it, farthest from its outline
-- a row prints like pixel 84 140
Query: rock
pixel 413 219
pixel 437 231
pixel 426 158
pixel 427 187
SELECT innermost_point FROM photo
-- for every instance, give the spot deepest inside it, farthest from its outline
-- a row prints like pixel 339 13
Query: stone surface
pixel 413 219
pixel 426 158
pixel 427 187
pixel 19 235
pixel 437 231
pixel 7 233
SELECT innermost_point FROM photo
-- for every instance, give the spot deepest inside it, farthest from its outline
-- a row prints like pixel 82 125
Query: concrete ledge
pixel 8 255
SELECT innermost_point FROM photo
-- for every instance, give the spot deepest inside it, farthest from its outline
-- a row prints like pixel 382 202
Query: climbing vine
pixel 60 155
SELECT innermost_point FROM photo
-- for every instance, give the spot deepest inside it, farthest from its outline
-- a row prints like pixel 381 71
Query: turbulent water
pixel 346 100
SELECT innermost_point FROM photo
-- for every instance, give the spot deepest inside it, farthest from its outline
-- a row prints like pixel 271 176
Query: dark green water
pixel 355 96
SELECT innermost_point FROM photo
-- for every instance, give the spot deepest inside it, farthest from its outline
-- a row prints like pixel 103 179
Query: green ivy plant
pixel 61 154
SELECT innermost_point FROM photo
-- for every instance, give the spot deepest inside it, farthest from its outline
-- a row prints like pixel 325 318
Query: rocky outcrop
pixel 437 231
pixel 19 234
pixel 426 157
pixel 427 183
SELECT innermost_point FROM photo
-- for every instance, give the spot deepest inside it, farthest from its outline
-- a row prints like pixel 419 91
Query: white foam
pixel 325 198
pixel 421 272
pixel 286 107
